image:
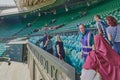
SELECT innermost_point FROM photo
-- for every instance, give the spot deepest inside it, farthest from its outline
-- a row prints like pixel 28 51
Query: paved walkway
pixel 16 71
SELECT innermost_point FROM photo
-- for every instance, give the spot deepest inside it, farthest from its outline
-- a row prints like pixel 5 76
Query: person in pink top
pixel 103 60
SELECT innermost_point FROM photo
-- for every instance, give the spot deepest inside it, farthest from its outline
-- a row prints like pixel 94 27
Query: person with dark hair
pixel 113 32
pixel 101 26
pixel 48 45
pixel 86 40
pixel 59 48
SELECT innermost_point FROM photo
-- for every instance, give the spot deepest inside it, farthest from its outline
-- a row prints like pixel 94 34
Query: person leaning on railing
pixel 48 45
pixel 60 52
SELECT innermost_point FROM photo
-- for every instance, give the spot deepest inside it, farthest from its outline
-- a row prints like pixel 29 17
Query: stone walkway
pixel 16 71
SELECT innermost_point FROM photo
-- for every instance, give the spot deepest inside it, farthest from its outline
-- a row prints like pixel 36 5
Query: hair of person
pixel 111 21
pixel 82 25
pixel 98 16
pixel 58 38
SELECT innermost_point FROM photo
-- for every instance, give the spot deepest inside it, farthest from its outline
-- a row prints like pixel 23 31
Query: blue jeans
pixel 116 47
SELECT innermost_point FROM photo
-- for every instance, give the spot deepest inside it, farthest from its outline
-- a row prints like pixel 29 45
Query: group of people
pixel 59 48
pixel 101 52
pixel 109 30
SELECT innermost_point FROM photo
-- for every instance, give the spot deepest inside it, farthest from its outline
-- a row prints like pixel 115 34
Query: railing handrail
pixel 59 65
